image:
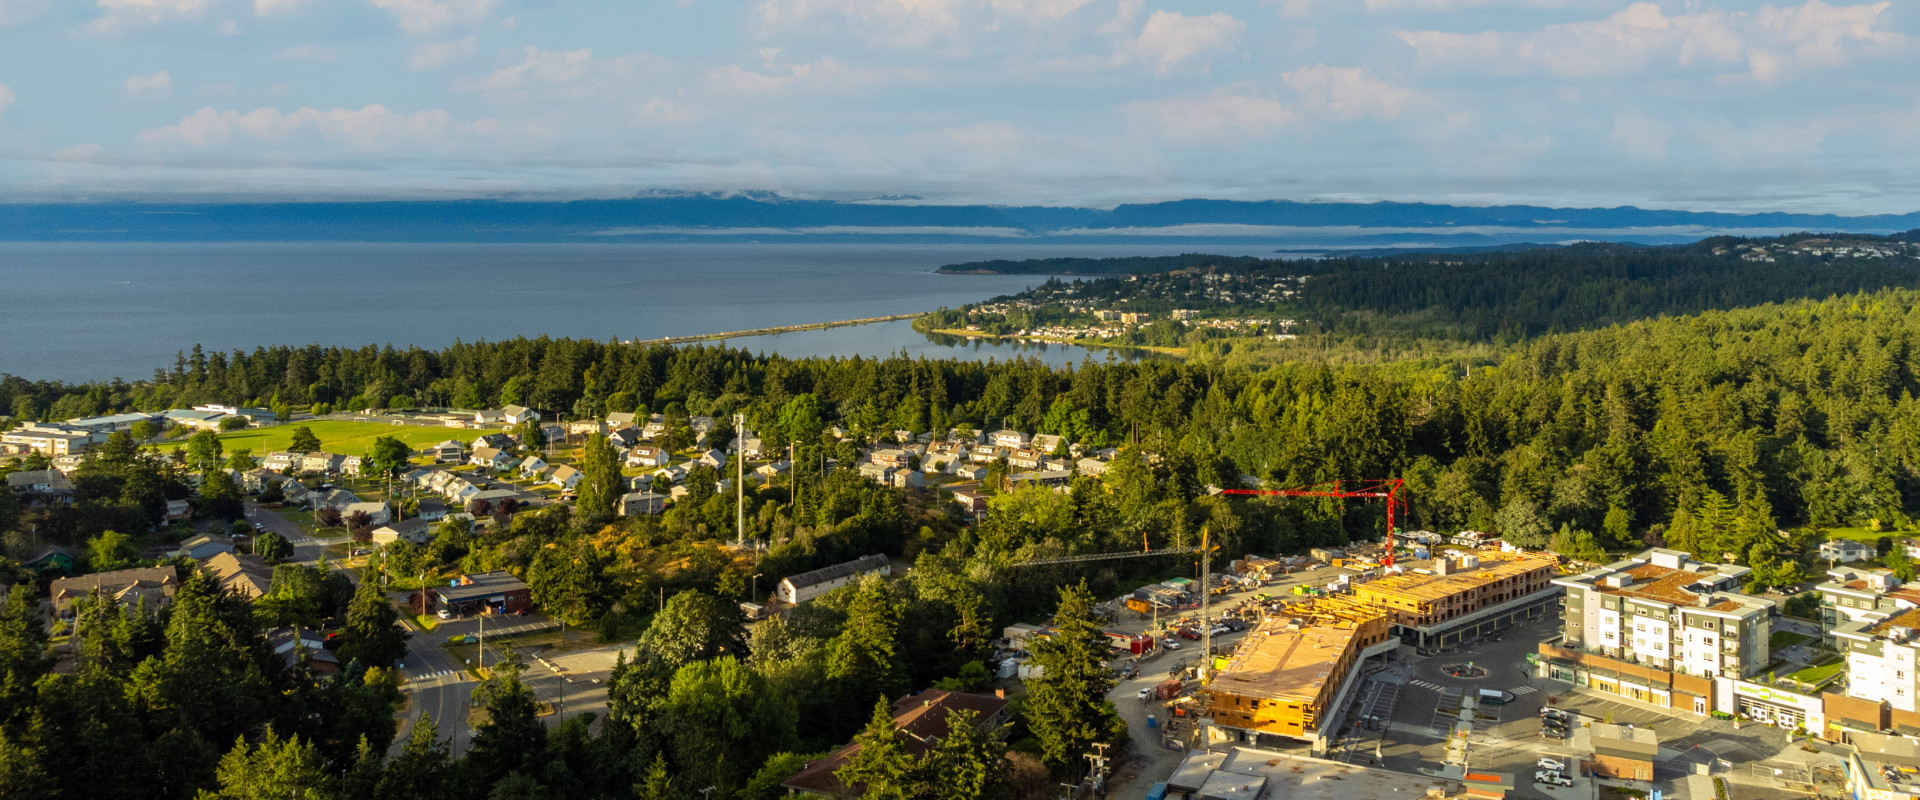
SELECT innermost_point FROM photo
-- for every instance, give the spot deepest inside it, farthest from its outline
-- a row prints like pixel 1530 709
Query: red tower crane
pixel 1388 488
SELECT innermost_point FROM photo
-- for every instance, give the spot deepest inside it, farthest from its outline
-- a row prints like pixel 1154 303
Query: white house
pixel 798 589
pixel 531 466
pixel 490 458
pixel 416 531
pixel 672 474
pixel 1008 439
pixel 637 504
pixel 566 477
pixel 646 456
pixel 377 512
pixel 1847 551
pixel 1045 442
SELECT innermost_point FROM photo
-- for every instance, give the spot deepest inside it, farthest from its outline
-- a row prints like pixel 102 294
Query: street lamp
pixel 753 594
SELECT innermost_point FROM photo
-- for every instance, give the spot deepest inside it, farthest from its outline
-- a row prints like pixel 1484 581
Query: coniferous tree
pixel 1066 707
pixel 601 484
pixel 371 635
pixel 881 769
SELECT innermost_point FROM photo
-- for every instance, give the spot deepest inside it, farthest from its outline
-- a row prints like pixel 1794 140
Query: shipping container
pixel 1169 689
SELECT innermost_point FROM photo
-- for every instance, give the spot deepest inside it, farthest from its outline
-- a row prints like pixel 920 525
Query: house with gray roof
pixel 797 589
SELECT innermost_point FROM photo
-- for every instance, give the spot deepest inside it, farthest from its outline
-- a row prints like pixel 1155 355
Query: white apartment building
pixel 1880 659
pixel 1663 610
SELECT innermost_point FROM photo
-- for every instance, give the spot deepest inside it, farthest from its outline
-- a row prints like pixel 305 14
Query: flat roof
pixel 1293 777
pixel 1909 619
pixel 1428 587
pixel 484 584
pixel 1279 662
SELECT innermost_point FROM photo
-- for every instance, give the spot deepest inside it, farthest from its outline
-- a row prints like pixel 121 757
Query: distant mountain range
pixel 763 217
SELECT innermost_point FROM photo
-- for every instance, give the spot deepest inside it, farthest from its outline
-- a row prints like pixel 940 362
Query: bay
pixel 86 311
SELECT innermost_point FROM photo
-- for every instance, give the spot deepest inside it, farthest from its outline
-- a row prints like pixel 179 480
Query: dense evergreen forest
pixel 1507 296
pixel 1709 432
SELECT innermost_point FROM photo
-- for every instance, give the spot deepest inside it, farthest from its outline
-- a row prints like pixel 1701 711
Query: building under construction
pixel 1291 675
pixel 1433 604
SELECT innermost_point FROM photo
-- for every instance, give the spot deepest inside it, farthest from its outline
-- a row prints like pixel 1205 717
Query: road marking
pixel 1430 686
pixel 1520 690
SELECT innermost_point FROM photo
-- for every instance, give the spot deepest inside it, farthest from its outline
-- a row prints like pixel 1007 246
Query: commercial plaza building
pixel 1292 675
pixel 1451 598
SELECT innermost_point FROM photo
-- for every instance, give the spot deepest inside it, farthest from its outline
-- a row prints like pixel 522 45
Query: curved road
pixel 435 684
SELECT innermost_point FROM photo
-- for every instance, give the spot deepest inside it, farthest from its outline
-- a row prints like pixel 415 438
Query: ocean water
pixel 98 311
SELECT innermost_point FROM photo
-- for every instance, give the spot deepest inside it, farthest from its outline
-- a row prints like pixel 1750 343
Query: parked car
pixel 1145 694
pixel 1553 733
pixel 1550 712
pixel 1170 644
pixel 1189 633
pixel 1551 765
pixel 1554 778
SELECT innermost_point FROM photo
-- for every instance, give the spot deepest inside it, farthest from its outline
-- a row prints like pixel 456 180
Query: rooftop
pixel 1282 662
pixel 1909 619
pixel 481 584
pixel 1428 587
pixel 837 571
pixel 1290 776
pixel 922 718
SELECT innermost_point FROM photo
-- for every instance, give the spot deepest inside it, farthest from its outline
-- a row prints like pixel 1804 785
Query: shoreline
pixel 1176 352
pixel 806 326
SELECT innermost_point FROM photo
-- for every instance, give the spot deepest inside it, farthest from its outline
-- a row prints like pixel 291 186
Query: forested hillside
pixel 1708 433
pixel 1492 295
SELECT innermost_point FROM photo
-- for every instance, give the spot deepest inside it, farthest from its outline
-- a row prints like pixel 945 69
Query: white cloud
pixel 228 28
pixel 1640 135
pixel 371 126
pixel 6 98
pixel 434 55
pixel 1350 92
pixel 1170 39
pixel 14 12
pixel 1039 9
pixel 120 15
pixel 428 17
pixel 539 68
pixel 157 86
pixel 1761 141
pixel 264 8
pixel 1642 36
pixel 310 52
pixel 827 75
pixel 1217 117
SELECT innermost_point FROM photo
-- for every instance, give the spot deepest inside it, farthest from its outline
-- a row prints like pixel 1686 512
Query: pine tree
pixel 371 635
pixel 861 660
pixel 658 783
pixel 279 769
pixel 1066 708
pixel 423 770
pixel 881 768
pixel 967 763
pixel 601 484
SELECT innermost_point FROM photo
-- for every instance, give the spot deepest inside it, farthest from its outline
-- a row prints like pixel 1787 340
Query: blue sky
pixel 1704 104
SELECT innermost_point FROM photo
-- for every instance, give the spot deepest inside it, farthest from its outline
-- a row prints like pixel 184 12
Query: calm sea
pixel 95 311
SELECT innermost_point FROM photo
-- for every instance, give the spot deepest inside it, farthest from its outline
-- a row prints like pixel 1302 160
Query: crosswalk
pixel 302 540
pixel 1428 685
pixel 422 675
pixel 1520 690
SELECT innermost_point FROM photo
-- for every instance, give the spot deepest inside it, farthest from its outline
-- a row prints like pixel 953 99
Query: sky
pixel 1698 104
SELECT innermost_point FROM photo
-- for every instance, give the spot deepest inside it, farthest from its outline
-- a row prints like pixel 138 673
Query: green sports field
pixel 338 436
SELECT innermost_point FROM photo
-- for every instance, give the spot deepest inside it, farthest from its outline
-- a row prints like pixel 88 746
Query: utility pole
pixel 740 478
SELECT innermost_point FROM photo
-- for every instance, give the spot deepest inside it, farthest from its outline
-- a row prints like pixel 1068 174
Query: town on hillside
pixel 1453 663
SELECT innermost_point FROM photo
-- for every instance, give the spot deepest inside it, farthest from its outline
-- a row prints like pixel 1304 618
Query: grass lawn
pixel 1784 639
pixel 1814 676
pixel 336 436
pixel 1867 535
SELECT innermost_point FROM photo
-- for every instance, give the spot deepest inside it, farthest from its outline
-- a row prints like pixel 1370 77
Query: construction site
pixel 1432 605
pixel 1290 676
